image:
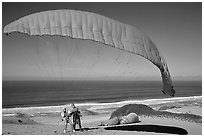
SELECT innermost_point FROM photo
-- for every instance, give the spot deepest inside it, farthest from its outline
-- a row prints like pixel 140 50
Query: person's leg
pixel 79 123
pixel 71 125
pixel 74 125
pixel 65 128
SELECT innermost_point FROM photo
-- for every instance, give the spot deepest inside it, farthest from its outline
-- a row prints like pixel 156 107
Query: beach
pixel 129 68
pixel 46 120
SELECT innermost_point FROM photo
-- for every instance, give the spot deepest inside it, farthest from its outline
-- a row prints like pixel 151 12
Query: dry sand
pixel 51 124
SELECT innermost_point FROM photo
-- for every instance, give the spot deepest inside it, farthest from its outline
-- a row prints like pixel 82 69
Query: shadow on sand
pixel 150 128
pixel 87 129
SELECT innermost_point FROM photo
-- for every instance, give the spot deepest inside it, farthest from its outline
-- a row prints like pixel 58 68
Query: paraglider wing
pixel 90 26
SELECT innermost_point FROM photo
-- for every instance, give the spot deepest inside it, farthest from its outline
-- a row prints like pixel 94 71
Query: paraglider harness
pixel 65 116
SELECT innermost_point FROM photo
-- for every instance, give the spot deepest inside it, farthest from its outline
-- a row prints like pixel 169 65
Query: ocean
pixel 54 93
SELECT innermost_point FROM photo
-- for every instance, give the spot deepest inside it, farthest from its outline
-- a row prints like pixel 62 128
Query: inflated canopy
pixel 91 26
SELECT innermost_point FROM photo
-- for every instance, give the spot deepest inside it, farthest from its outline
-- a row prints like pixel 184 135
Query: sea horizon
pixel 52 80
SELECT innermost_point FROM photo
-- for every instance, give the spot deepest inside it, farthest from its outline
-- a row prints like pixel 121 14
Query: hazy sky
pixel 175 28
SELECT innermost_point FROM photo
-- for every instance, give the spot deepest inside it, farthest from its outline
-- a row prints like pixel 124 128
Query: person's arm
pixel 80 114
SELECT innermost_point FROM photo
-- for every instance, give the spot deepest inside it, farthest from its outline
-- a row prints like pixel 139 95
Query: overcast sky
pixel 175 28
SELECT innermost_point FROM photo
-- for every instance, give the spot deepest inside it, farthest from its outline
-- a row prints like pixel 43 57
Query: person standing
pixel 66 118
pixel 76 117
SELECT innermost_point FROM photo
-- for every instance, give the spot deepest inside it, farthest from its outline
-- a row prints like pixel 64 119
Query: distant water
pixel 50 93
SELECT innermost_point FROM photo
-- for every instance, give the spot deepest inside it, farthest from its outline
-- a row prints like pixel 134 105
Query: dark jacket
pixel 76 113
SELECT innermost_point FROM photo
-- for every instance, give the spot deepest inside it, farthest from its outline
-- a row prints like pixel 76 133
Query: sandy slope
pixel 51 124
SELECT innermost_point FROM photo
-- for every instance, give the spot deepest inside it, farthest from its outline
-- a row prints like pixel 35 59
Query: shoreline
pixel 144 101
